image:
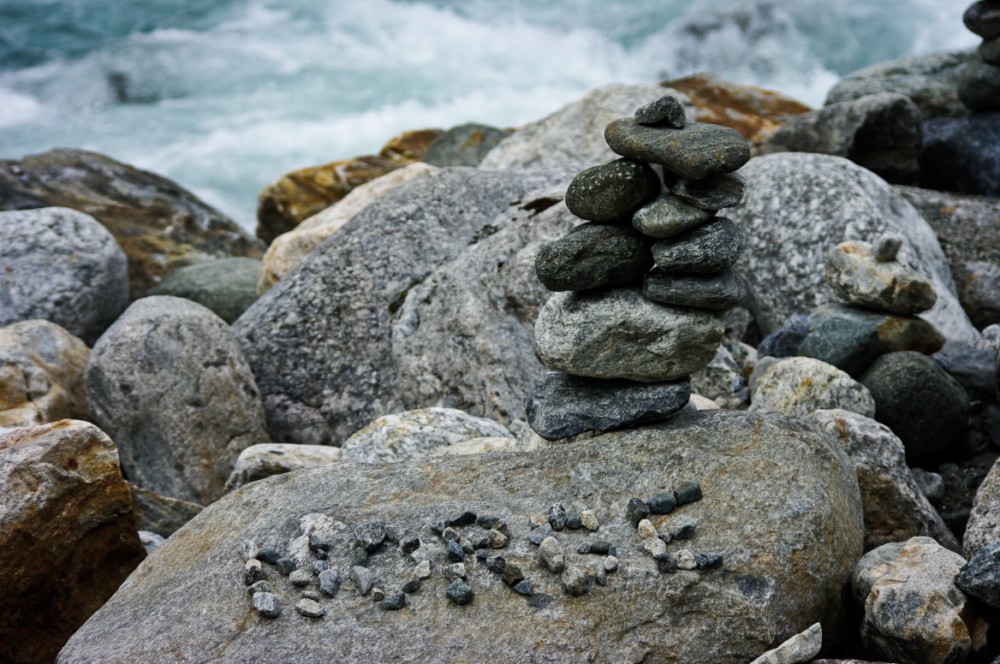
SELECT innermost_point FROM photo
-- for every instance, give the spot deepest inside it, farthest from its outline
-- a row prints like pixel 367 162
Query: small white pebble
pixel 300 577
pixel 685 559
pixel 538 520
pixel 454 571
pixel 610 563
pixel 423 570
pixel 589 520
pixel 654 546
pixel 646 529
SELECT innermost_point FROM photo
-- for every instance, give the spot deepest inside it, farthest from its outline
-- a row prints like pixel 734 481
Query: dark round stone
pixel 455 552
pixel 370 535
pixel 269 556
pixel 923 405
pixel 711 247
pixel 612 191
pixel 511 574
pixel 662 503
pixel 695 152
pixel 687 492
pixel 394 602
pixel 463 519
pixel 360 557
pixel 666 563
pixel 488 522
pixel 409 544
pixel 411 586
pixel 460 593
pixel 601 547
pixel 593 256
pixel 573 521
pixel 636 511
pixel 850 344
pixel 983 18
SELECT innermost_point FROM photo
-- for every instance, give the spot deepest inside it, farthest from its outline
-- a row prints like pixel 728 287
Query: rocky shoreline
pixel 679 373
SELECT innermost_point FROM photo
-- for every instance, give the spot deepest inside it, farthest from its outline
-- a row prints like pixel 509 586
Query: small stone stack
pixel 623 340
pixel 979 85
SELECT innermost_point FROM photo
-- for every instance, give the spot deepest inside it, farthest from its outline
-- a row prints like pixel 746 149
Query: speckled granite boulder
pixel 801 385
pixel 984 520
pixel 41 374
pixel 62 266
pixel 760 597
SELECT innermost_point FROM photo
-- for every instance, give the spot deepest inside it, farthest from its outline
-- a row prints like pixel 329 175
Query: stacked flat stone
pixel 641 287
pixel 979 85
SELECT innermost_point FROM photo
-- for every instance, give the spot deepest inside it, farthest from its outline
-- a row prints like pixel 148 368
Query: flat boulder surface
pixel 787 553
pixel 327 344
pixel 799 205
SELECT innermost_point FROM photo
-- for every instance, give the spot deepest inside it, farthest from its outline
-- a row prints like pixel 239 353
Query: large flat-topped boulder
pixel 787 551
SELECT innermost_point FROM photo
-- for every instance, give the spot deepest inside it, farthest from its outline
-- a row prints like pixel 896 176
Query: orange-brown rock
pixel 159 225
pixel 752 111
pixel 67 534
pixel 295 197
pixel 41 374
pixel 409 146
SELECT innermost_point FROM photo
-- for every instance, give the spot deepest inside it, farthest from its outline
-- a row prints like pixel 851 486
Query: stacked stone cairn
pixel 641 287
pixel 979 86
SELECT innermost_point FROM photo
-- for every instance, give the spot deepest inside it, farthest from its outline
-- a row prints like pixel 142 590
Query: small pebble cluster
pixel 655 540
pixel 641 286
pixel 979 85
pixel 577 580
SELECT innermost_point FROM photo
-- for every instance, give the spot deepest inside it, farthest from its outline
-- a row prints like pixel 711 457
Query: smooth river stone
pixel 612 191
pixel 694 152
pixel 983 18
pixel 704 291
pixel 713 193
pixel 711 247
pixel 594 255
pixel 667 216
pixel 620 334
pixel 563 405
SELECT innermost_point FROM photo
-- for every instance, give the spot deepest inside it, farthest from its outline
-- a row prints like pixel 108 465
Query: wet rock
pixel 226 286
pixel 881 132
pixel 694 152
pixel 921 403
pixel 67 534
pixel 612 191
pixel 159 225
pixel 801 385
pixel 562 405
pixel 621 334
pixel 62 266
pixel 41 374
pixel 464 145
pixel 416 433
pixel 979 86
pixel 894 506
pixel 667 216
pixel 798 205
pixel 592 256
pixel 711 247
pixel 169 351
pixel 259 461
pixel 856 276
pixel 913 611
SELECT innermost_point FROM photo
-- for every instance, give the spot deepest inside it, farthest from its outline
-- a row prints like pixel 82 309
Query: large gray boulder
pixel 169 384
pixel 573 136
pixel 62 266
pixel 787 553
pixel 346 336
pixel 798 206
pixel 931 81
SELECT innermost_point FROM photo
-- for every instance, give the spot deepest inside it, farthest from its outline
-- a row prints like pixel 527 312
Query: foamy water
pixel 225 99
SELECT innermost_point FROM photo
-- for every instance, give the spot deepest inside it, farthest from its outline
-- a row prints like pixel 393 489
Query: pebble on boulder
pixel 694 152
pixel 856 275
pixel 460 593
pixel 550 552
pixel 612 191
pixel 267 604
pixel 667 111
pixel 310 608
pixel 576 581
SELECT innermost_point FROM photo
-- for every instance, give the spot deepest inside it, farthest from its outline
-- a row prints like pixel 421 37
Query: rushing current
pixel 224 96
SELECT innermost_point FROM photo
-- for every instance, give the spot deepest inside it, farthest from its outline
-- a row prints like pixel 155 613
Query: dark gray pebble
pixel 525 587
pixel 412 586
pixel 488 522
pixel 329 582
pixel 466 545
pixel 370 535
pixel 409 544
pixel 583 548
pixel 481 542
pixel 636 511
pixel 573 521
pixel 687 492
pixel 983 18
pixel 541 601
pixel 286 566
pixel 460 593
pixel 259 587
pixel 594 255
pixel 455 552
pixel 359 557
pixel 438 526
pixel 482 554
pixel 612 191
pixel 708 560
pixel 667 216
pixel 538 534
pixel 496 564
pixel 511 574
pixel 252 572
pixel 694 152
pixel 600 547
pixel 319 546
pixel 711 247
pixel 557 516
pixel 310 594
pixel 267 605
pixel 666 563
pixel 394 602
pixel 269 556
pixel 711 194
pixel 463 519
pixel 667 111
pixel 393 534
pixel 716 292
pixel 662 503
pixel 320 566
pixel 980 577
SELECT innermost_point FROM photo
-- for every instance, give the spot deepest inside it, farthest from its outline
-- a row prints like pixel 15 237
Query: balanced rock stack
pixel 622 339
pixel 979 85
